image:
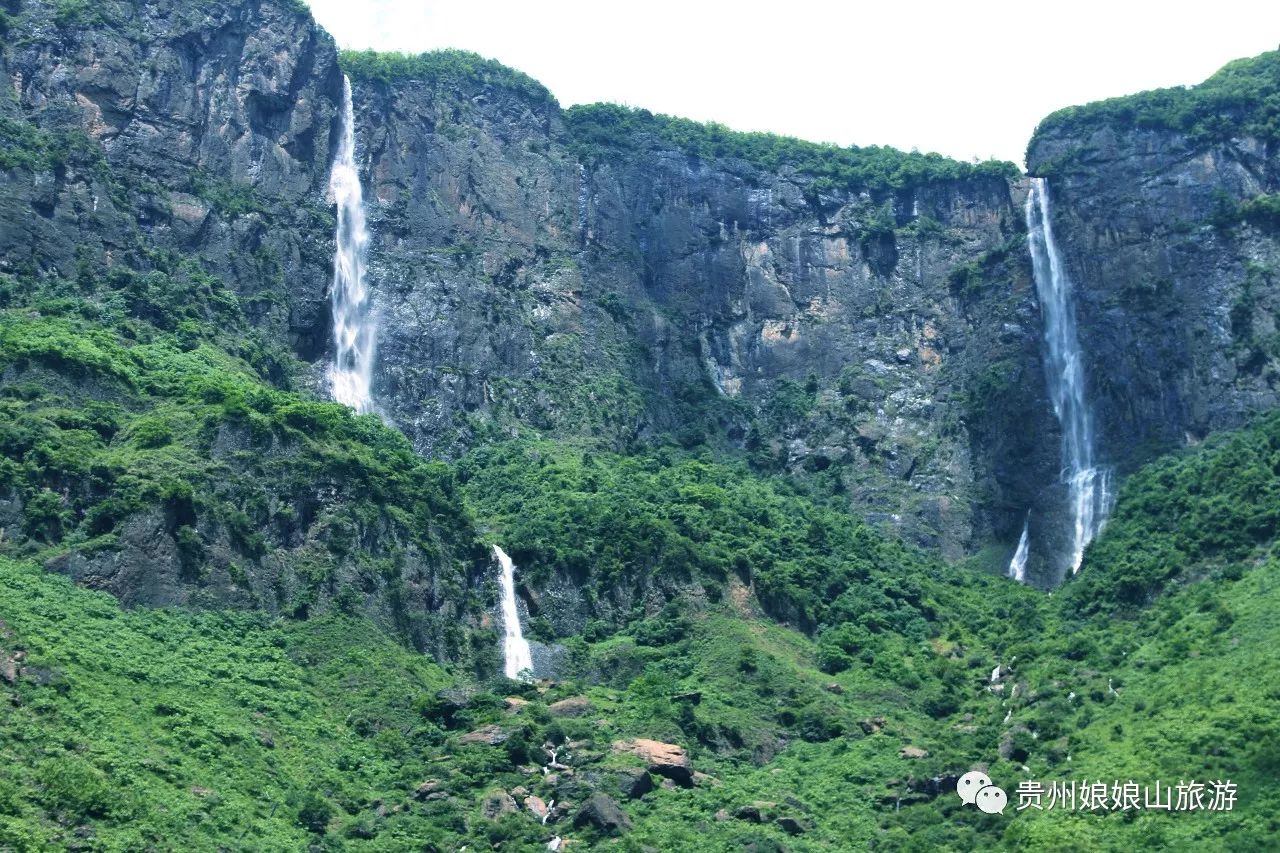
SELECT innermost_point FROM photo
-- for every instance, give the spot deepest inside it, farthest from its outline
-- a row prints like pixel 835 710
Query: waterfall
pixel 584 202
pixel 1018 565
pixel 354 329
pixel 1088 486
pixel 515 649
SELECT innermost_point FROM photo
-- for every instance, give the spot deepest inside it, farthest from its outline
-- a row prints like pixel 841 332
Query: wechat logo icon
pixel 975 788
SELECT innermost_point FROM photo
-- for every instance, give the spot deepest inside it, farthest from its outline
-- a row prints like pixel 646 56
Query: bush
pixel 314 814
pixel 1242 99
pixel 76 789
pixel 606 129
pixel 450 67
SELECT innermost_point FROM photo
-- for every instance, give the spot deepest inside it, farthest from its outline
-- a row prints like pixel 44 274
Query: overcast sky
pixel 967 79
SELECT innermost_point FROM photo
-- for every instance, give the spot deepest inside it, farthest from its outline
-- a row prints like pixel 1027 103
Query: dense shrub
pixel 601 128
pixel 447 67
pixel 1242 99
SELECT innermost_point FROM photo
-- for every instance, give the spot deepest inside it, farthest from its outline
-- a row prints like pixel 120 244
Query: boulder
pixel 537 806
pixel 758 811
pixel 428 787
pixel 665 759
pixel 574 706
pixel 490 735
pixel 793 825
pixel 602 813
pixel 496 804
pixel 634 782
pixel 913 752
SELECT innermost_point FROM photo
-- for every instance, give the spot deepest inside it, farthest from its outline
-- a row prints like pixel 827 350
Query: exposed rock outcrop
pixel 665 759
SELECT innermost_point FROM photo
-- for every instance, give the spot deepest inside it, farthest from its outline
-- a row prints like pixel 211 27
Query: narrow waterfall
pixel 1018 565
pixel 1088 486
pixel 354 329
pixel 584 204
pixel 516 655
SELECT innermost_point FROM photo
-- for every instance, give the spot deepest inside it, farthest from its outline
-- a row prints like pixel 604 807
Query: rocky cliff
pixel 1165 209
pixel 860 320
pixel 165 258
pixel 206 130
pixel 584 275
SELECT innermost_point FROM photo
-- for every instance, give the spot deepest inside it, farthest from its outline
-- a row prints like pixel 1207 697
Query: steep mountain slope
pixel 157 440
pixel 147 728
pixel 1167 216
pixel 173 125
pixel 611 274
pixel 740 406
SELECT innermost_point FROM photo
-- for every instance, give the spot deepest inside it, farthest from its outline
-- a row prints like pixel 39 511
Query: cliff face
pixel 526 282
pixel 628 292
pixel 592 276
pixel 163 177
pixel 1167 239
pixel 202 129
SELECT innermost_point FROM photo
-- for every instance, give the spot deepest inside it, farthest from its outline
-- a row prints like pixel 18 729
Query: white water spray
pixel 354 329
pixel 517 657
pixel 1018 565
pixel 584 203
pixel 1089 486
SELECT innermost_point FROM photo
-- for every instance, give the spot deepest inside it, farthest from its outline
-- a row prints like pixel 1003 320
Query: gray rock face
pixel 887 342
pixel 602 813
pixel 1177 305
pixel 625 297
pixel 215 125
pixel 1172 307
pixel 523 286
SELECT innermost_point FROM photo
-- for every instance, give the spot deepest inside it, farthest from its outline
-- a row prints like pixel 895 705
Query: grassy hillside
pixel 303 654
pixel 151 728
pixel 151 440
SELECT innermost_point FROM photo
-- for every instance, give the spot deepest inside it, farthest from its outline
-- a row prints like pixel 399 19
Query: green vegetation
pixel 601 128
pixel 1212 510
pixel 442 67
pixel 144 394
pixel 157 729
pixel 226 197
pixel 167 393
pixel 829 681
pixel 1242 99
pixel 216 729
pixel 628 523
pixel 1261 211
pixel 24 145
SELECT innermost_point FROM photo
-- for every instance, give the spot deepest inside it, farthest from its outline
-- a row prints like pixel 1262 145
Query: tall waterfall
pixel 515 649
pixel 1018 565
pixel 1088 485
pixel 354 329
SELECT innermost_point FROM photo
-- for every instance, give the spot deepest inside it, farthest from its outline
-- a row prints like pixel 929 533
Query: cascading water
pixel 1088 485
pixel 1018 565
pixel 517 657
pixel 584 203
pixel 354 329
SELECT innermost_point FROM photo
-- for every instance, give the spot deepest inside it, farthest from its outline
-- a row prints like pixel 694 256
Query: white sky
pixel 965 79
